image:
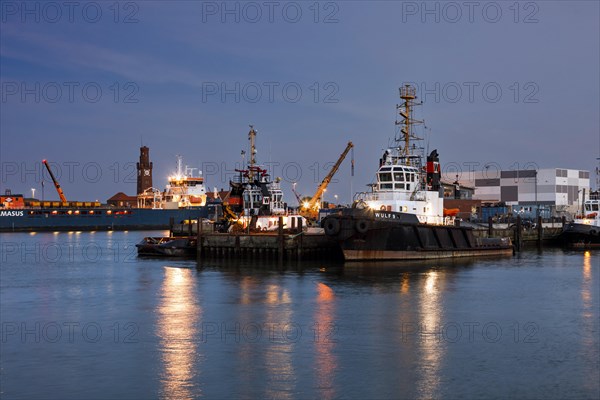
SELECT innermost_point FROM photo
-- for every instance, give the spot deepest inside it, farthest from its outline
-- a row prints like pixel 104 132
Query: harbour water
pixel 83 317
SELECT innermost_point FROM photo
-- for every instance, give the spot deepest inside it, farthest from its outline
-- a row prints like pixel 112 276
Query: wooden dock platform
pixel 266 246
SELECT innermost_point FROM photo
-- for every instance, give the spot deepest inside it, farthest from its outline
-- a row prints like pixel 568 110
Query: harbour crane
pixel 296 194
pixel 310 209
pixel 56 184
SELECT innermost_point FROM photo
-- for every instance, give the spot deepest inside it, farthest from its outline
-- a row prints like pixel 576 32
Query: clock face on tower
pixel 147 172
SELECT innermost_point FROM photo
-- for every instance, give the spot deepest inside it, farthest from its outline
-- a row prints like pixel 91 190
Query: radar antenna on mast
pixel 409 94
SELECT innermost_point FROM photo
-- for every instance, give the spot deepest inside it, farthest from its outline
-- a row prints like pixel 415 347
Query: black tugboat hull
pixel 371 235
pixel 580 236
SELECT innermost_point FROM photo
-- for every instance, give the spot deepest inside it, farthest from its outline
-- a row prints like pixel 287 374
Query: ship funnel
pixel 433 171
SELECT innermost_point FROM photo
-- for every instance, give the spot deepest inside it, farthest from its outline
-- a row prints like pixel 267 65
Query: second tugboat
pixel 402 217
pixel 584 231
pixel 255 202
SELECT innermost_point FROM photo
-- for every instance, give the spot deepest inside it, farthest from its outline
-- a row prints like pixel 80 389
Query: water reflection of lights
pixel 587 280
pixel 588 340
pixel 276 296
pixel 326 363
pixel 246 286
pixel 405 284
pixel 178 316
pixel 278 356
pixel 432 349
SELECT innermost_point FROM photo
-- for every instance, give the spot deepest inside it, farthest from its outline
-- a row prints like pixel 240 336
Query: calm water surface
pixel 83 317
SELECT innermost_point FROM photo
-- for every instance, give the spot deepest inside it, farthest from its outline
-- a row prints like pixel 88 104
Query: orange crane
pixel 56 184
pixel 310 209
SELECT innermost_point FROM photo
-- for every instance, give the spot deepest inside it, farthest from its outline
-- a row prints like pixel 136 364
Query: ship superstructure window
pixel 399 176
pixel 385 177
pixel 399 185
pixel 386 186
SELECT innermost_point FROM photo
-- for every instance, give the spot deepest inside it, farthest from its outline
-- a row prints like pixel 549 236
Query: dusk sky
pixel 515 84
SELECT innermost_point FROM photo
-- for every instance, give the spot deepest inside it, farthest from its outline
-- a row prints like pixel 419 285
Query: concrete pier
pixel 520 236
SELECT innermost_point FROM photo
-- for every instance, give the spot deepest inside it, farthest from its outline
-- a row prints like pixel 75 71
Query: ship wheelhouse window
pixel 399 186
pixel 385 177
pixel 594 207
pixel 385 186
pixel 398 176
pixel 588 207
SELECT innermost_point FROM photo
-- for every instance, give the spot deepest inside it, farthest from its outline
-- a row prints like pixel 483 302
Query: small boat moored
pixel 584 231
pixel 167 246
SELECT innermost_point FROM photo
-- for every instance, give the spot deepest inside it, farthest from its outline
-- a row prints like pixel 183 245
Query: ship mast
pixel 407 93
pixel 179 166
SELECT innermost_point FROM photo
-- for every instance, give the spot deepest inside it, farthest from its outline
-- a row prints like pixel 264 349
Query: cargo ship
pixel 402 217
pixel 184 198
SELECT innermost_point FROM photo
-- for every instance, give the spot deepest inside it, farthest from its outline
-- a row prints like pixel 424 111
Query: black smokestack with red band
pixel 433 171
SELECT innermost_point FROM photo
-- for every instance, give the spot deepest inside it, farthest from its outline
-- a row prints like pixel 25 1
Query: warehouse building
pixel 555 191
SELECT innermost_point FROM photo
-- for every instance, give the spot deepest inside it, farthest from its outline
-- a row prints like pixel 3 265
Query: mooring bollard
pixel 280 239
pixel 300 238
pixel 519 234
pixel 199 241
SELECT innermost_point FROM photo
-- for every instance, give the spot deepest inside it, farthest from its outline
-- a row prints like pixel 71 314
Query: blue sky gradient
pixel 168 56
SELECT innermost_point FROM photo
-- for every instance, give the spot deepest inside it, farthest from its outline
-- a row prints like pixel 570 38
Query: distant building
pixel 122 200
pixel 553 190
pixel 144 170
pixel 456 190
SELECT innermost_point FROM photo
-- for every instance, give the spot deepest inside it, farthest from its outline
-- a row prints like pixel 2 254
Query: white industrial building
pixel 557 190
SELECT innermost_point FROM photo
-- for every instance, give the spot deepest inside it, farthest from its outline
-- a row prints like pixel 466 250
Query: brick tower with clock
pixel 144 170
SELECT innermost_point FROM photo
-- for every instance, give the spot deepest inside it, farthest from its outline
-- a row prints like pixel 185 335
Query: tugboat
pixel 584 231
pixel 402 217
pixel 256 202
